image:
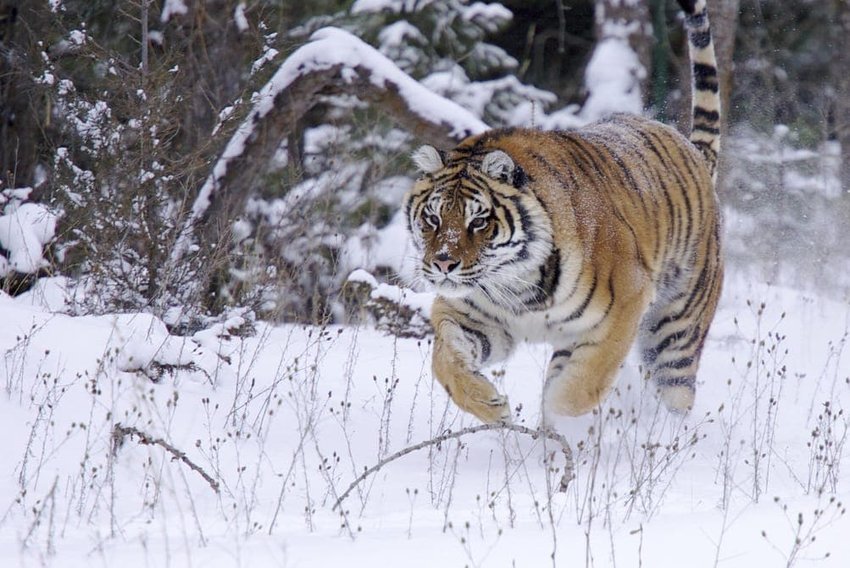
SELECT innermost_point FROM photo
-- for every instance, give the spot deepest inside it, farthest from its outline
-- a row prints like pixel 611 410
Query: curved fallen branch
pixel 569 466
pixel 333 62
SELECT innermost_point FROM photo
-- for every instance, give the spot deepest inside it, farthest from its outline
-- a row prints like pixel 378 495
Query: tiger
pixel 589 239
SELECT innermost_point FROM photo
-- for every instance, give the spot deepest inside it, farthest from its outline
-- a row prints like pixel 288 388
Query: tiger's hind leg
pixel 673 334
pixel 583 370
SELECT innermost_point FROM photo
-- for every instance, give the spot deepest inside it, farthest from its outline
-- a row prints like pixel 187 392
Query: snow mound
pixel 142 344
pixel 24 232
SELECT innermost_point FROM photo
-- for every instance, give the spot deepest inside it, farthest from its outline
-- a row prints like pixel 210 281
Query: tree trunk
pixel 841 80
pixel 244 170
pixel 20 113
pixel 724 24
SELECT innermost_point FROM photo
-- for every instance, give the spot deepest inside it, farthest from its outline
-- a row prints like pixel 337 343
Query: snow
pixel 50 294
pixel 491 17
pixel 391 6
pixel 269 53
pixel 363 277
pixel 419 301
pixel 24 231
pixel 390 191
pixel 47 78
pixel 239 17
pixel 142 344
pixel 284 418
pixel 15 194
pixel 481 97
pixel 388 247
pixel 612 79
pixel 400 33
pixel 77 37
pixel 173 8
pixel 333 46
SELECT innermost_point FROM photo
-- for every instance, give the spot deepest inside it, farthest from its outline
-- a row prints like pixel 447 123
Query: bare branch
pixel 564 484
pixel 119 432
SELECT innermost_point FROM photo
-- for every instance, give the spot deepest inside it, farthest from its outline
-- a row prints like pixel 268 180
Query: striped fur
pixel 590 240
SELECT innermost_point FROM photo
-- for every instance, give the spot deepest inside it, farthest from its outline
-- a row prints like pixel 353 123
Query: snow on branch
pixel 333 62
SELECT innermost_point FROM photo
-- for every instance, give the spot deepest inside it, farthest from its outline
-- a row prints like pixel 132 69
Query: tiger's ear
pixel 498 165
pixel 428 159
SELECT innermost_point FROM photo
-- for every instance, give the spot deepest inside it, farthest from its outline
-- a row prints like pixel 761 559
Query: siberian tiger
pixel 586 239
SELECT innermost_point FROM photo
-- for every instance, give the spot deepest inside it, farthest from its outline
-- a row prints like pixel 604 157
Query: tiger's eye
pixel 478 223
pixel 433 220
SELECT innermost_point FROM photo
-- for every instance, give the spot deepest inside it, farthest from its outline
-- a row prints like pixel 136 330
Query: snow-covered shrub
pixel 126 143
pixel 116 183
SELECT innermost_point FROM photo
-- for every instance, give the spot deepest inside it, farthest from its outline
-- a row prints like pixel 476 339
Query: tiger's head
pixel 475 224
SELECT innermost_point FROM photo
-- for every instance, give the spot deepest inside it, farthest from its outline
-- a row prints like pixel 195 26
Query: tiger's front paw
pixel 480 398
pixel 495 410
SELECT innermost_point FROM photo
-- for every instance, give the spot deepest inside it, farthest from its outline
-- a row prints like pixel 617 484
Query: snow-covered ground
pixel 282 419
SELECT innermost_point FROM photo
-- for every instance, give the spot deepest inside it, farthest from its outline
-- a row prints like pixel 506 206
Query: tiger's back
pixel 638 184
pixel 589 239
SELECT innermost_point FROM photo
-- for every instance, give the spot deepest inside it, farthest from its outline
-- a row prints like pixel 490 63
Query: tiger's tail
pixel 705 92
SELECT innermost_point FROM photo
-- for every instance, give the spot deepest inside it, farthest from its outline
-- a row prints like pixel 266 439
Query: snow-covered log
pixel 333 62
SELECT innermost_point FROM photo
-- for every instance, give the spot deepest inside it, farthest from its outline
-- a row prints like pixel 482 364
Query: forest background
pixel 114 114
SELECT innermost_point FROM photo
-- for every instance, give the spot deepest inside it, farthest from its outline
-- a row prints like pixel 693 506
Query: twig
pixel 119 432
pixel 548 434
pixel 51 497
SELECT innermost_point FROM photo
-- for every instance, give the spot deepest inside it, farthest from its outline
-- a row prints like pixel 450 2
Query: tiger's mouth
pixel 450 285
pixel 451 289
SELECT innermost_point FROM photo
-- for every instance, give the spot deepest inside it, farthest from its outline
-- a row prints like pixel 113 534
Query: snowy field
pixel 125 446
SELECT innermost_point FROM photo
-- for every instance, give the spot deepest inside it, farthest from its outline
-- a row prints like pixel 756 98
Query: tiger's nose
pixel 445 263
